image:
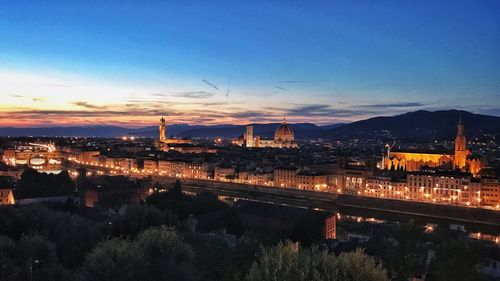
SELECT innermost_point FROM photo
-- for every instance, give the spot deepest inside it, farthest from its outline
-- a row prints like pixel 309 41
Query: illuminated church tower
pixel 163 130
pixel 461 151
pixel 250 142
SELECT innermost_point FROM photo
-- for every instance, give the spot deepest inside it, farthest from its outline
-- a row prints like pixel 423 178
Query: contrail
pixel 228 85
pixel 280 88
pixel 210 84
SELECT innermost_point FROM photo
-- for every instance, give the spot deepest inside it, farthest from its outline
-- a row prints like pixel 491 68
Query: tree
pixel 457 260
pixel 140 217
pixel 113 260
pixel 308 229
pixel 177 190
pixel 287 262
pixel 7 256
pixel 72 235
pixel 41 254
pixel 233 223
pixel 167 256
pixel 157 254
pixel 35 184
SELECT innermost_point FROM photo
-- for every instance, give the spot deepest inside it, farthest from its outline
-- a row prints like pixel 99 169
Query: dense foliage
pixel 35 184
pixel 288 262
pixel 137 244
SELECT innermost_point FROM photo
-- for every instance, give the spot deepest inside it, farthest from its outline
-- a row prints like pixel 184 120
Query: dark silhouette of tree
pixel 184 206
pixel 35 184
pixel 177 189
pixel 113 260
pixel 71 235
pixel 137 218
pixel 309 229
pixel 232 223
pixel 456 260
pixel 167 257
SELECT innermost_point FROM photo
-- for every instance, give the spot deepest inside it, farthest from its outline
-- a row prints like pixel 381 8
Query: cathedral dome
pixel 284 133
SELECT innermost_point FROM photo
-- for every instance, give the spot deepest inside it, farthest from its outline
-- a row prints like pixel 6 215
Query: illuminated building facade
pixel 89 156
pixel 150 165
pixel 457 188
pixel 350 179
pixel 223 174
pixel 490 193
pixel 260 178
pixel 285 177
pixel 415 160
pixel 330 227
pixel 6 197
pixel 386 187
pixel 434 187
pixel 195 170
pixel 293 178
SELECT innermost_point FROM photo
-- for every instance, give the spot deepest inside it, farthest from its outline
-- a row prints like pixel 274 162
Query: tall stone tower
pixel 163 130
pixel 461 151
pixel 249 136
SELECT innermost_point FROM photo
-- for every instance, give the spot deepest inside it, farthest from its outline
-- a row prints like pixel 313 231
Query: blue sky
pixel 126 62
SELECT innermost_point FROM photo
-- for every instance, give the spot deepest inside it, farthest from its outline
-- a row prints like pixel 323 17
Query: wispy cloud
pixel 392 105
pixel 58 85
pixel 194 95
pixel 322 110
pixel 38 99
pixel 187 94
pixel 85 104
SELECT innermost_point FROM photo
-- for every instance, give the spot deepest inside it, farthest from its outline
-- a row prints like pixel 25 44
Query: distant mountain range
pixel 302 130
pixel 418 124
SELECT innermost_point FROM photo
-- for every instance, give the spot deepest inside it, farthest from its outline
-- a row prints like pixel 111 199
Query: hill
pixel 302 131
pixel 418 124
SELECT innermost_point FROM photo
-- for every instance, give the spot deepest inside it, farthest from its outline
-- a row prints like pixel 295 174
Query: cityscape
pixel 276 141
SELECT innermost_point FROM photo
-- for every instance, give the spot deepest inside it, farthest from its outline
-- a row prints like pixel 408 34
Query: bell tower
pixel 461 151
pixel 163 130
pixel 249 136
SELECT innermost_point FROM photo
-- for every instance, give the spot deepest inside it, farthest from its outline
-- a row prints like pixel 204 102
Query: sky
pixel 128 63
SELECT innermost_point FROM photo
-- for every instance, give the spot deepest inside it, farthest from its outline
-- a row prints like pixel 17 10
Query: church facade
pixel 414 160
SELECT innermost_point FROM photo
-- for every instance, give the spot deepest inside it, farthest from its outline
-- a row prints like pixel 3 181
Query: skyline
pixel 126 64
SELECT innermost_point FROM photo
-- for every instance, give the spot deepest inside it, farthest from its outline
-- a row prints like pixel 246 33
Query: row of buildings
pixel 434 186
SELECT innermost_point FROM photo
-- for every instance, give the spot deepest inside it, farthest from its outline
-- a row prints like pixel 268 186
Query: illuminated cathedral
pixel 414 160
pixel 283 138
